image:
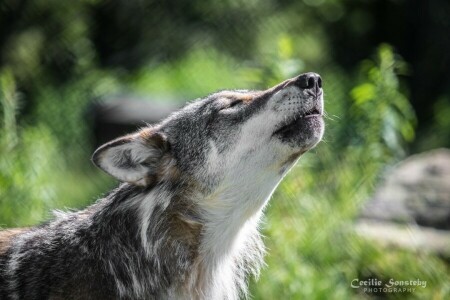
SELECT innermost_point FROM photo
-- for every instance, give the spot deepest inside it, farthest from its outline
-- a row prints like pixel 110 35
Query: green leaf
pixel 363 92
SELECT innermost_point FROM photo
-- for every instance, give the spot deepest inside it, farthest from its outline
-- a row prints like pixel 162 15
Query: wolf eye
pixel 232 104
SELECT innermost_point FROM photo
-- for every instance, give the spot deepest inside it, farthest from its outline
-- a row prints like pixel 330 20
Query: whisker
pixel 328 117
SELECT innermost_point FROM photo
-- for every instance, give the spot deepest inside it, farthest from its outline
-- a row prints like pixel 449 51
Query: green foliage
pixel 278 62
pixel 199 73
pixel 381 108
pixel 314 252
pixel 37 167
pixel 437 135
pixel 26 165
pixel 64 110
pixel 9 99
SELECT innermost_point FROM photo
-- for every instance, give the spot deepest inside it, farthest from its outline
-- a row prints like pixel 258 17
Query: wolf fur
pixel 183 224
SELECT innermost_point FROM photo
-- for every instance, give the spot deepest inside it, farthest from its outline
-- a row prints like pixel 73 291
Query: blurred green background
pixel 386 71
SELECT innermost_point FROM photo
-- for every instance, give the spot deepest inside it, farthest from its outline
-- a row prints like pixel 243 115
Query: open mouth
pixel 313 112
pixel 295 121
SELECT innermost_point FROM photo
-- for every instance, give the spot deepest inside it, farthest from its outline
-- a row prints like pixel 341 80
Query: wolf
pixel 184 221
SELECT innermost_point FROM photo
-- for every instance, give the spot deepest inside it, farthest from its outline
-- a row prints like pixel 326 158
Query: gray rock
pixel 416 191
pixel 408 236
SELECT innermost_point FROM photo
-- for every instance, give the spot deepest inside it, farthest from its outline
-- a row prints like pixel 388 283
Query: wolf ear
pixel 134 158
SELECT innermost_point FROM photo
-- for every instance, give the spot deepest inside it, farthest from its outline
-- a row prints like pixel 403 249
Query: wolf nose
pixel 309 81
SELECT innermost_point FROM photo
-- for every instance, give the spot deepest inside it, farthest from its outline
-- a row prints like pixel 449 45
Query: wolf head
pixel 236 139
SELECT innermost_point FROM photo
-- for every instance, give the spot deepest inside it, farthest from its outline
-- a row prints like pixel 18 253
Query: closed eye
pixel 232 104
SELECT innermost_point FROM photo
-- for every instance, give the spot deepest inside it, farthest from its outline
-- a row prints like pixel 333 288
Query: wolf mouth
pixel 298 119
pixel 313 112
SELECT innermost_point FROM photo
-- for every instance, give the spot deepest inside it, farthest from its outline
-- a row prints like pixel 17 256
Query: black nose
pixel 309 81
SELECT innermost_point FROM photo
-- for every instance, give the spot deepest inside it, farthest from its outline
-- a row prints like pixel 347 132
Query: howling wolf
pixel 183 224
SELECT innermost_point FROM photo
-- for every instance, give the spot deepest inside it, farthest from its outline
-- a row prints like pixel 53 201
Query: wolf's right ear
pixel 134 158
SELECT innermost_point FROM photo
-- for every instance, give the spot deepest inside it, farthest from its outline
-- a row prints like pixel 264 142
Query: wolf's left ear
pixel 134 158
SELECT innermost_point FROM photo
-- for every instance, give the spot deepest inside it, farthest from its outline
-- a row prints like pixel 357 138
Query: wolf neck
pixel 234 206
pixel 222 229
pixel 231 247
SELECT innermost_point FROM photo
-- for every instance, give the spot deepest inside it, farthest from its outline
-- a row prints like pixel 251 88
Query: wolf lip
pixel 313 112
pixel 293 122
